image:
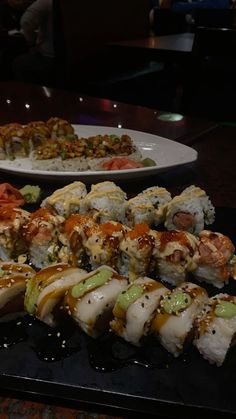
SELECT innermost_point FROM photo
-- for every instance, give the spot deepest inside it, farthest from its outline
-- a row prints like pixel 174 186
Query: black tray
pixel 147 380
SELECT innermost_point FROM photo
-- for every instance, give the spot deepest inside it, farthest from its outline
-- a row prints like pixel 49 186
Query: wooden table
pixel 215 171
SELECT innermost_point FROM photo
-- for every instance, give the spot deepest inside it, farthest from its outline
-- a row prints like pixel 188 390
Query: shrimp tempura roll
pixel 135 308
pixel 15 140
pixel 136 252
pixel 13 280
pixel 41 233
pixel 215 253
pixel 216 328
pixel 12 223
pixel 175 254
pixel 91 300
pixel 173 323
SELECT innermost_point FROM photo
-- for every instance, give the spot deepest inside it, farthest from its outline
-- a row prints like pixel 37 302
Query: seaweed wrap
pixel 59 127
pixel 216 328
pixel 174 255
pixel 189 211
pixel 66 201
pixel 16 142
pixel 106 201
pixel 41 234
pixel 173 323
pixel 135 308
pixel 12 223
pixel 136 251
pixel 37 132
pixel 46 290
pixel 91 300
pixel 13 280
pixel 216 262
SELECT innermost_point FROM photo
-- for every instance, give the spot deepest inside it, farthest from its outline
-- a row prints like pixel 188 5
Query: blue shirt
pixel 182 6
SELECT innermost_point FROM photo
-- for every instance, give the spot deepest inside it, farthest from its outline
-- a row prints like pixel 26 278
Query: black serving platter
pixel 66 364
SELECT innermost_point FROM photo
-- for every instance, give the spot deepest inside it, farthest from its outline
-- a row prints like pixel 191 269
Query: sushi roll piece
pixel 15 140
pixel 103 244
pixel 135 308
pixel 37 132
pixel 159 197
pixel 46 290
pixel 66 201
pixel 106 201
pixel 59 127
pixel 2 146
pixel 41 234
pixel 13 280
pixel 91 300
pixel 189 211
pixel 73 238
pixel 216 328
pixel 173 323
pixel 175 254
pixel 216 261
pixel 139 210
pixel 12 223
pixel 136 250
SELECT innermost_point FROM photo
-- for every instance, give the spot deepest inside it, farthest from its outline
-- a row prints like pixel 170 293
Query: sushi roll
pixel 174 255
pixel 2 146
pixel 159 197
pixel 216 260
pixel 103 244
pixel 41 234
pixel 73 238
pixel 216 328
pixel 13 280
pixel 135 308
pixel 136 251
pixel 189 211
pixel 12 223
pixel 173 323
pixel 59 127
pixel 46 290
pixel 15 140
pixel 66 201
pixel 106 201
pixel 91 300
pixel 37 132
pixel 139 210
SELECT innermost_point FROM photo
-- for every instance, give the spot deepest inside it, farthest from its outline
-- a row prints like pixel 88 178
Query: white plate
pixel 166 153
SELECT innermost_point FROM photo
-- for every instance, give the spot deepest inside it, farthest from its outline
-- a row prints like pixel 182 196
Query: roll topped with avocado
pixel 135 308
pixel 13 280
pixel 91 300
pixel 46 289
pixel 173 323
pixel 216 328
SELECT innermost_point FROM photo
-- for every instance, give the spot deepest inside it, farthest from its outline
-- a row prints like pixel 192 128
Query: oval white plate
pixel 166 153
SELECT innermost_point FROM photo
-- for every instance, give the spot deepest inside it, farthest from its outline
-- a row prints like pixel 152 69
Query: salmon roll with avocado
pixel 135 308
pixel 173 323
pixel 91 300
pixel 216 261
pixel 13 280
pixel 216 328
pixel 190 211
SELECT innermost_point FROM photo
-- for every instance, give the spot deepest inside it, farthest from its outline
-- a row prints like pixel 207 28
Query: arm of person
pixel 32 19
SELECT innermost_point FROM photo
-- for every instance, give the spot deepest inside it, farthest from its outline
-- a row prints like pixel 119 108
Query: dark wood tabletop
pixel 214 170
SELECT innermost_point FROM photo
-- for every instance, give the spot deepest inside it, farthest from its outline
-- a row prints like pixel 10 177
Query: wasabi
pixel 31 193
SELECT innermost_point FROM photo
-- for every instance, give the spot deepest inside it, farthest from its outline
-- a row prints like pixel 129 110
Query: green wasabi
pixel 175 303
pixel 91 283
pixel 148 162
pixel 128 297
pixel 225 309
pixel 30 193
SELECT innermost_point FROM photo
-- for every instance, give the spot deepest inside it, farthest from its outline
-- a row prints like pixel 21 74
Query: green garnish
pixel 2 272
pixel 225 309
pixel 148 162
pixel 175 303
pixel 31 193
pixel 92 282
pixel 128 297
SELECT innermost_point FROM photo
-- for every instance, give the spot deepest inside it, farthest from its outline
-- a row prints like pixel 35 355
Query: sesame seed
pixel 58 334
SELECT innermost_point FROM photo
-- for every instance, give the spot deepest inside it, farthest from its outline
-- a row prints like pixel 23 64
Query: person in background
pixel 37 64
pixel 11 12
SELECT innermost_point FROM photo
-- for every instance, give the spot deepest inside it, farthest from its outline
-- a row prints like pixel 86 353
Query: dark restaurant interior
pixel 164 67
